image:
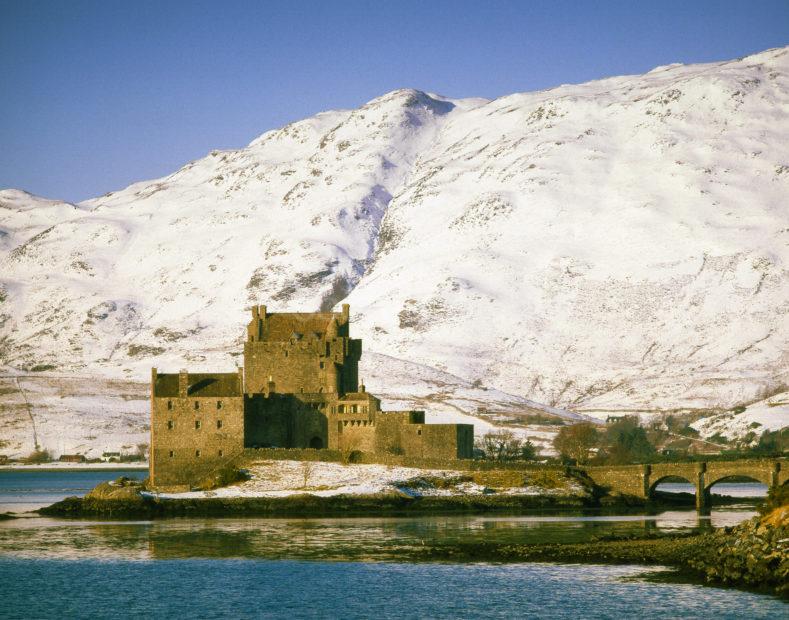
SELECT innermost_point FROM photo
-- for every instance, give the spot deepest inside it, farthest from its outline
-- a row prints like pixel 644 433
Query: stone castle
pixel 299 388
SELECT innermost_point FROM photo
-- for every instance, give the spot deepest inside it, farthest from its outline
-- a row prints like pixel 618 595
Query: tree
pixel 574 442
pixel 504 445
pixel 528 451
pixel 773 442
pixel 626 442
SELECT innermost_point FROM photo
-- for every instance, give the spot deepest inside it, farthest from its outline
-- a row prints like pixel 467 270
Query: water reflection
pixel 328 539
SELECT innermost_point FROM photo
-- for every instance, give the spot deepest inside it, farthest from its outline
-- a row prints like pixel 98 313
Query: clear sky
pixel 95 95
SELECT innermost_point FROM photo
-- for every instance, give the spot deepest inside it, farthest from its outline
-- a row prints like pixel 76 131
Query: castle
pixel 298 388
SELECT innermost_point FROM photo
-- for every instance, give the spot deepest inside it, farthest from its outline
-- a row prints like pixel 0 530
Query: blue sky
pixel 95 95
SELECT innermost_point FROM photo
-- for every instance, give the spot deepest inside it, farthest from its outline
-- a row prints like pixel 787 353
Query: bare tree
pixel 307 467
pixel 574 442
pixel 504 445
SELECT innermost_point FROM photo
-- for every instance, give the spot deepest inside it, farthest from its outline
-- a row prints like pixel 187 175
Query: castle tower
pixel 301 353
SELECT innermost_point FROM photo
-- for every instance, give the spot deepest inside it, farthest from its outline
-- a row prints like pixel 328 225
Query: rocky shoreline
pixel 753 555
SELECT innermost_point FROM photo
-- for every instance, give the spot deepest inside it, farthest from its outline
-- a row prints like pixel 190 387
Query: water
pixel 732 489
pixel 270 589
pixel 342 567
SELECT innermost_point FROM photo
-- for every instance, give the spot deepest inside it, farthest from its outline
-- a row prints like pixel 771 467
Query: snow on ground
pixel 285 478
pixel 770 414
pixel 84 415
pixel 75 466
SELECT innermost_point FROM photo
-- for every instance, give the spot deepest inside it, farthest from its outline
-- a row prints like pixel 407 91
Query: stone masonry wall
pixel 193 435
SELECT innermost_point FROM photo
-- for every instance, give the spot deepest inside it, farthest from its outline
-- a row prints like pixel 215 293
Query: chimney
pixel 346 312
pixel 154 374
pixel 270 386
pixel 183 383
pixel 362 389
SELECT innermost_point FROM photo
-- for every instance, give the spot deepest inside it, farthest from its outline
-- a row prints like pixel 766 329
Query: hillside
pixel 614 246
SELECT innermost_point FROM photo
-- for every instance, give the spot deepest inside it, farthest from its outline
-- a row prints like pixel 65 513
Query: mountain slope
pixel 619 245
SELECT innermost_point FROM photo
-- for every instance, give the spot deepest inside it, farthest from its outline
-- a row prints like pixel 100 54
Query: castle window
pixel 169 404
pixel 221 453
pixel 322 364
pixel 197 453
pixel 198 424
pixel 341 409
pixel 172 453
pixel 419 431
pixel 286 354
pixel 219 404
pixel 170 425
pixel 219 423
pixel 364 409
pixel 197 404
pixel 354 409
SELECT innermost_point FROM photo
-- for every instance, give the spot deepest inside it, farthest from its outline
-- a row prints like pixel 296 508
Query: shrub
pixel 776 497
pixel 38 456
pixel 354 456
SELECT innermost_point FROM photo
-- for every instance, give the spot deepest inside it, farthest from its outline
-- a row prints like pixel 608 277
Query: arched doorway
pixel 316 443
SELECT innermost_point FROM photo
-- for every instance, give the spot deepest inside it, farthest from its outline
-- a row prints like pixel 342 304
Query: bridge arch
pixel 751 478
pixel 654 482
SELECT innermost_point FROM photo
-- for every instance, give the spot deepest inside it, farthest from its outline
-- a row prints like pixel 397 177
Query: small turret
pixel 362 389
pixel 346 312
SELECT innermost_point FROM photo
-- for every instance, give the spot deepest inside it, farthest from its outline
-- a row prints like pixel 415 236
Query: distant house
pixel 72 458
pixel 110 457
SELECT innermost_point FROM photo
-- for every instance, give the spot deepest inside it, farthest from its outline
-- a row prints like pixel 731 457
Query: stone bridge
pixel 641 480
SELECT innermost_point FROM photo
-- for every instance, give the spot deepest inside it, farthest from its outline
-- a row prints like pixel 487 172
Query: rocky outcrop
pixel 754 554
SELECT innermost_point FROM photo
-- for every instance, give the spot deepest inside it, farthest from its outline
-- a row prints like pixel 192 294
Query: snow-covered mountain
pixel 619 245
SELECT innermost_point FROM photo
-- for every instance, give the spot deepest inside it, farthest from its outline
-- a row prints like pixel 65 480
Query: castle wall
pixel 353 424
pixel 193 435
pixel 355 434
pixel 389 426
pixel 285 421
pixel 430 441
pixel 303 366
